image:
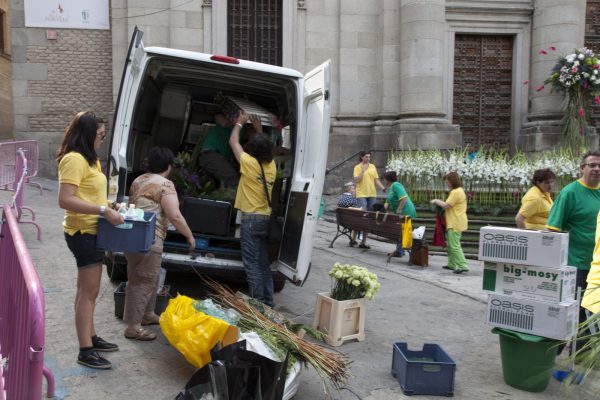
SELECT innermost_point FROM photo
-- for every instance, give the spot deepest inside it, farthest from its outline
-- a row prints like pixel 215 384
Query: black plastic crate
pixel 429 371
pixel 162 300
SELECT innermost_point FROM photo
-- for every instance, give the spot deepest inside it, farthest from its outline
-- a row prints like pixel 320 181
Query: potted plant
pixel 340 314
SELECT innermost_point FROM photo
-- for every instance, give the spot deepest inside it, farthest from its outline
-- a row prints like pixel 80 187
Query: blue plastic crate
pixel 137 237
pixel 429 371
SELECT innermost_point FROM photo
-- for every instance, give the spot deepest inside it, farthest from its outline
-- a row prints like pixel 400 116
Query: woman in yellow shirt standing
pixel 366 178
pixel 455 213
pixel 82 194
pixel 536 204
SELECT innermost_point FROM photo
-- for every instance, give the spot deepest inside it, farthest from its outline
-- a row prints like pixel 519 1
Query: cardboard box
pixel 554 321
pixel 523 246
pixel 554 285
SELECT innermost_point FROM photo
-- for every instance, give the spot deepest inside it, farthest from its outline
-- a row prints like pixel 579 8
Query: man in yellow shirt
pixel 366 178
pixel 253 199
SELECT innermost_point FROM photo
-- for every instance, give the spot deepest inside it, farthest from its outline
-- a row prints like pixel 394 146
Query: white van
pixel 167 96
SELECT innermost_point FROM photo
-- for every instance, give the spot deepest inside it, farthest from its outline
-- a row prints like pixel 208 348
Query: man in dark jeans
pixel 253 198
pixel 575 210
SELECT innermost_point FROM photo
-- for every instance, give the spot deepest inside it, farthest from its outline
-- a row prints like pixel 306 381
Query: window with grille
pixel 254 30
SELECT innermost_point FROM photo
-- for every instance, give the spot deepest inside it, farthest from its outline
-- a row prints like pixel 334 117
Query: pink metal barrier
pixel 22 318
pixel 8 158
pixel 21 173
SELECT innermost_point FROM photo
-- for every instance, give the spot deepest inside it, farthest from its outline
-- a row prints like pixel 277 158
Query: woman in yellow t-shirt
pixel 82 194
pixel 455 213
pixel 536 204
pixel 366 179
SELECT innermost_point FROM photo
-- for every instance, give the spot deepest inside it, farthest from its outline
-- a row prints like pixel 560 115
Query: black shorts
pixel 83 247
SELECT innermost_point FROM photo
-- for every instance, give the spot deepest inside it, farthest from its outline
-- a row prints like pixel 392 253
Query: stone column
pixel 423 121
pixel 559 24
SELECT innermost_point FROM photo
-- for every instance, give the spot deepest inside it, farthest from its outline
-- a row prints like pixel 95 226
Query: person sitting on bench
pixel 348 200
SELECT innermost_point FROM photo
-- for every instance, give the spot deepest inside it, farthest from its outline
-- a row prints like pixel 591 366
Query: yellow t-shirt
pixel 91 187
pixel 591 297
pixel 535 208
pixel 250 196
pixel 366 187
pixel 456 214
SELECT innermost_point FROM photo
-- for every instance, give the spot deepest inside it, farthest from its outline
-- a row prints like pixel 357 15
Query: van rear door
pixel 132 73
pixel 308 175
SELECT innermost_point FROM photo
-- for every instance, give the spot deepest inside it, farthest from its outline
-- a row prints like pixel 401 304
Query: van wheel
pixel 116 271
pixel 278 283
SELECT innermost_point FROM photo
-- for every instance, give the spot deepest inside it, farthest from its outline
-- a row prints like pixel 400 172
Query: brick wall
pixel 78 77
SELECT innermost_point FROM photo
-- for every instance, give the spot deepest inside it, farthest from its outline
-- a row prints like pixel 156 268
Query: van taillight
pixel 225 59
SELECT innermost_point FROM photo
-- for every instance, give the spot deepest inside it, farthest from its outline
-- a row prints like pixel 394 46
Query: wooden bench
pixel 385 225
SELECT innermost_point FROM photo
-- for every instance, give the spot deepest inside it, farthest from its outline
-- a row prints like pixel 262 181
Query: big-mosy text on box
pixel 554 285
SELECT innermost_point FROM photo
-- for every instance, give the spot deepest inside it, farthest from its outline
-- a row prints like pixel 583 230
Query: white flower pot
pixel 340 320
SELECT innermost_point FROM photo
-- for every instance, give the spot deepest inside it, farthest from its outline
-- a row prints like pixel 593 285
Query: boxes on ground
pixel 551 320
pixel 429 371
pixel 537 283
pixel 522 246
pixel 162 298
pixel 133 237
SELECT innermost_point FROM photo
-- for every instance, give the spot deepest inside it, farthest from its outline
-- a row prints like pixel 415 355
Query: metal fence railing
pixel 8 159
pixel 22 318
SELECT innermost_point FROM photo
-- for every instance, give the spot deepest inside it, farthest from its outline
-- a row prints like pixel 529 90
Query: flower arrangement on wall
pixel 489 176
pixel 577 77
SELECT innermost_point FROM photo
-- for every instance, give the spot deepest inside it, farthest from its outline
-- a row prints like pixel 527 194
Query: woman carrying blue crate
pixel 154 192
pixel 82 194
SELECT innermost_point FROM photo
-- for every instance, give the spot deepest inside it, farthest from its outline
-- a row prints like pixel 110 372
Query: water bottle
pixel 131 212
pixel 123 209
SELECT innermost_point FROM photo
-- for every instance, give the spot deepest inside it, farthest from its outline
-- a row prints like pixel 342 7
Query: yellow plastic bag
pixel 190 331
pixel 407 233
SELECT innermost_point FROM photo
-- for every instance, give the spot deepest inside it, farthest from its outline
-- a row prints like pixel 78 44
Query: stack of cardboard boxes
pixel 531 288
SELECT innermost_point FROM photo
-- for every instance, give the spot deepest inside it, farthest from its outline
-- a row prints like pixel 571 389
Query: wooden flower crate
pixel 340 320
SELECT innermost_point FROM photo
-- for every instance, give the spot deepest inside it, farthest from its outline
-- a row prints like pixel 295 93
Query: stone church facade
pixel 407 74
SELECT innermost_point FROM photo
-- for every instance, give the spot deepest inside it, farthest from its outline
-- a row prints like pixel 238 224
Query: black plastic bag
pixel 237 374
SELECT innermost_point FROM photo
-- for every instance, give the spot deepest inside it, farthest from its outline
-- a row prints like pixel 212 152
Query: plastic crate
pixel 429 371
pixel 162 300
pixel 136 238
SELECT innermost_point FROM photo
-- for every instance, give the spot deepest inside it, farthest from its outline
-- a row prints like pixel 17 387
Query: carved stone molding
pixel 206 3
pixel 301 5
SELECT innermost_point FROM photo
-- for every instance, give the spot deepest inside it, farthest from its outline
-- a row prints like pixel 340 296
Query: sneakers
pixel 100 344
pixel 92 359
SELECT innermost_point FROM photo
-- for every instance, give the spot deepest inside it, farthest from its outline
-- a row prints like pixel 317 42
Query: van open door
pixel 130 80
pixel 308 175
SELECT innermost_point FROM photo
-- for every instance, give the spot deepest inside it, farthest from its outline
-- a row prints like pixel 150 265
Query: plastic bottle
pixel 123 209
pixel 131 212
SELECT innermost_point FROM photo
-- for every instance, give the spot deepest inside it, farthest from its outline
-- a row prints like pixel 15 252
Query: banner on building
pixel 77 14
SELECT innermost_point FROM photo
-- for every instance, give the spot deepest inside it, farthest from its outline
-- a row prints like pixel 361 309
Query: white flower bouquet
pixel 577 76
pixel 353 282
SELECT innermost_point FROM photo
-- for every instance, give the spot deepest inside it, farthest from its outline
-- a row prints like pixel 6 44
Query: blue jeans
pixel 367 203
pixel 255 256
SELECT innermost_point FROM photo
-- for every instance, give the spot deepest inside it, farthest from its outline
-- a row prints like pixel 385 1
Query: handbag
pixel 275 232
pixel 438 232
pixel 407 238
